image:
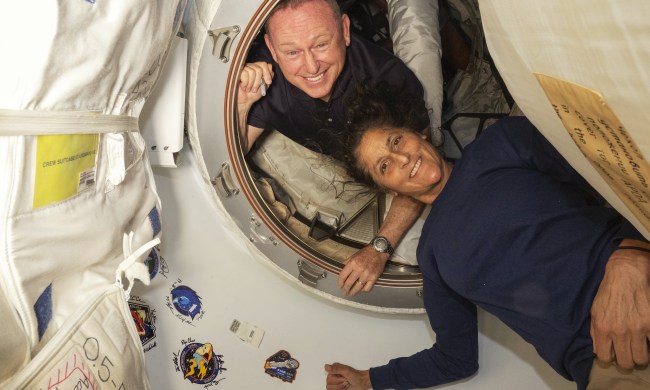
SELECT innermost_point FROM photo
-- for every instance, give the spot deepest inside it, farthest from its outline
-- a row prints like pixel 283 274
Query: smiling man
pixel 297 84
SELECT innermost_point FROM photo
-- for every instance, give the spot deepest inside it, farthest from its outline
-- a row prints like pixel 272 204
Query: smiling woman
pixel 401 159
pixel 387 146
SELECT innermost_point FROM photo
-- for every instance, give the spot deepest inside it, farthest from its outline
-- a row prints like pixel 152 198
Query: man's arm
pixel 620 313
pixel 248 133
pixel 366 265
pixel 253 81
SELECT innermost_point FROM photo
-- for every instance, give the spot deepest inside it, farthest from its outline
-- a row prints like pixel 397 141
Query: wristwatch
pixel 381 244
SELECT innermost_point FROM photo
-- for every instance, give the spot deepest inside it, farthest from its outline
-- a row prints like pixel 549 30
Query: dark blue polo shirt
pixel 312 122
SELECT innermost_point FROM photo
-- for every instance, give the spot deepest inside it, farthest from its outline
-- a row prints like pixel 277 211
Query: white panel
pixel 161 119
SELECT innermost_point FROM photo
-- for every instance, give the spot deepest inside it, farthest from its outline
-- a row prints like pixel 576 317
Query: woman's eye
pixel 383 167
pixel 396 142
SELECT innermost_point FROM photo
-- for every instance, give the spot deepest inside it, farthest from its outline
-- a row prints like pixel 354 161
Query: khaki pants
pixel 607 376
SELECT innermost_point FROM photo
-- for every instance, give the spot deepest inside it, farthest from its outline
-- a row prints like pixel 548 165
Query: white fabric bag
pixel 78 203
pixel 95 348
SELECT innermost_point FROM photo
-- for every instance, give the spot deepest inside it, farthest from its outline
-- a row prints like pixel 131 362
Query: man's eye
pixel 383 167
pixel 292 53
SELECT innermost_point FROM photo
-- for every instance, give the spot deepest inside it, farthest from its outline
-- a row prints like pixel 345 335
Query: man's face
pixel 309 43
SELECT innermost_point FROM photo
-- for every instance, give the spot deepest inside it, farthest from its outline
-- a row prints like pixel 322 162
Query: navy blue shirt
pixel 518 232
pixel 312 122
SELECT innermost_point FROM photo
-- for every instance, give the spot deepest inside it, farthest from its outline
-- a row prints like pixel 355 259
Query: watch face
pixel 380 244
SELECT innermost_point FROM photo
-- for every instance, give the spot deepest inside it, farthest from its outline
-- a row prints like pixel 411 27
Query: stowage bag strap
pixel 31 122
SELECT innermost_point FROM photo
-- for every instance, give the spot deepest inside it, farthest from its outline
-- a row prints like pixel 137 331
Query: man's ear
pixel 345 25
pixel 267 39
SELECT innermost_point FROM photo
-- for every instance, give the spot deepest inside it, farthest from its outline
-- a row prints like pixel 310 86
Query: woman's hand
pixel 342 377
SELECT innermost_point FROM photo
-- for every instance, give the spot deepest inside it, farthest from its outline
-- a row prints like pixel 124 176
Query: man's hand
pixel 342 377
pixel 250 82
pixel 250 90
pixel 362 270
pixel 620 313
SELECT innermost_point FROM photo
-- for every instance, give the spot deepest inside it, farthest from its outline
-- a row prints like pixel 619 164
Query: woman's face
pixel 403 162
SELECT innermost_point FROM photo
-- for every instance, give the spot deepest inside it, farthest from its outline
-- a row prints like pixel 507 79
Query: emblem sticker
pixel 185 303
pixel 198 363
pixel 144 318
pixel 156 264
pixel 281 365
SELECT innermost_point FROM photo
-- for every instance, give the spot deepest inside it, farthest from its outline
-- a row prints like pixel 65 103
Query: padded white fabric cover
pixel 415 31
pixel 315 183
pixel 96 348
pixel 591 56
pixel 59 249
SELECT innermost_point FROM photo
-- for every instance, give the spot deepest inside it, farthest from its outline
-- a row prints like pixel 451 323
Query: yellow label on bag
pixel 605 142
pixel 65 166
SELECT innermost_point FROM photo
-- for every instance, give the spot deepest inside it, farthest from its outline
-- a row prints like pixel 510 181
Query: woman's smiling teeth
pixel 314 79
pixel 416 167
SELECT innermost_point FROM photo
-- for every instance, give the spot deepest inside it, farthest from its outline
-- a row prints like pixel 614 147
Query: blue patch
pixel 43 310
pixel 152 263
pixel 154 218
pixel 90 1
pixel 186 301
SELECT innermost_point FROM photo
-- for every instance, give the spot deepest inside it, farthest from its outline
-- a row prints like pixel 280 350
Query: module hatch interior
pixel 306 241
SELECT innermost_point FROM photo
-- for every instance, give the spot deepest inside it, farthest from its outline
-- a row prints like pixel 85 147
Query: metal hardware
pixel 323 226
pixel 223 182
pixel 309 274
pixel 222 39
pixel 256 236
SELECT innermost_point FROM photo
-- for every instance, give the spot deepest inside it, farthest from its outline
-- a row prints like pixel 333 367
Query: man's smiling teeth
pixel 314 79
pixel 416 167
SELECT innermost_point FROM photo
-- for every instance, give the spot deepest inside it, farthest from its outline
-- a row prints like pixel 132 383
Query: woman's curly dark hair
pixel 376 107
